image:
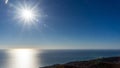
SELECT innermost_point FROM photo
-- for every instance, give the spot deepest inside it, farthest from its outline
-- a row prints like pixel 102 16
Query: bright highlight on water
pixel 22 58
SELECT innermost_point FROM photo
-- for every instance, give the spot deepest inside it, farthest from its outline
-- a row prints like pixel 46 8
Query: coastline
pixel 109 62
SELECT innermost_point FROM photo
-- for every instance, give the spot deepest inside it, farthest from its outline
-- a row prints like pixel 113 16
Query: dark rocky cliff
pixel 111 62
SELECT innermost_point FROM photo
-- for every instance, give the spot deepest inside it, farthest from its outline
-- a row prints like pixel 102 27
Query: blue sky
pixel 66 24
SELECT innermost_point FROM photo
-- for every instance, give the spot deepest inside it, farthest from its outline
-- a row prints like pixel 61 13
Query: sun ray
pixel 27 14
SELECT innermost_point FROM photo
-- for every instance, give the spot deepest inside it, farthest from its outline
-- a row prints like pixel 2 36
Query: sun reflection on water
pixel 22 58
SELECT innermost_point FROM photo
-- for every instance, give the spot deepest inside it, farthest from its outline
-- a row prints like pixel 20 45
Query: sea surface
pixel 39 58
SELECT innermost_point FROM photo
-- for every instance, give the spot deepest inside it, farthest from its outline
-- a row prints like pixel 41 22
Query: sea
pixel 25 58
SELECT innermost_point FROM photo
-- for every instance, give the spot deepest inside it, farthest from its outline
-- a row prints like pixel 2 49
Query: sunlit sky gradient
pixel 77 24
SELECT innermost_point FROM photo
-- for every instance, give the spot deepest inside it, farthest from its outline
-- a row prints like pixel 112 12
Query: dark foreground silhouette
pixel 111 62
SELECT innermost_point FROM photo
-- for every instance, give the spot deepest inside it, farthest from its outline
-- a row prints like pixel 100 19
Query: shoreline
pixel 109 62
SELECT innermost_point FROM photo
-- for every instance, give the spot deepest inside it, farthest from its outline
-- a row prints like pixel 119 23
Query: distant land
pixel 110 62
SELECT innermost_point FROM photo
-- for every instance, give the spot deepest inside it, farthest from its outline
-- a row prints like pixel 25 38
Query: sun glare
pixel 27 13
pixel 23 58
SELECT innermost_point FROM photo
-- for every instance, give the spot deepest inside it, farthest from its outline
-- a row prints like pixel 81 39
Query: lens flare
pixel 27 13
pixel 6 1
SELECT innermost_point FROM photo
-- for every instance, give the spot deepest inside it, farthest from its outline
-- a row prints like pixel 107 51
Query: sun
pixel 26 13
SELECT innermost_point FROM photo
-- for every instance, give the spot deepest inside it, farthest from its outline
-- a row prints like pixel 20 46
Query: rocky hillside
pixel 111 62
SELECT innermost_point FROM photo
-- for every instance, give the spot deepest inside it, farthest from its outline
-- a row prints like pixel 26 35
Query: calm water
pixel 39 58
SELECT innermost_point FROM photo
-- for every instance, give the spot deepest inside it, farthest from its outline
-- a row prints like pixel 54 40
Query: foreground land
pixel 111 62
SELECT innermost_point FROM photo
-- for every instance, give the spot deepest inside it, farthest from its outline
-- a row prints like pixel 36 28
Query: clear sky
pixel 77 24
